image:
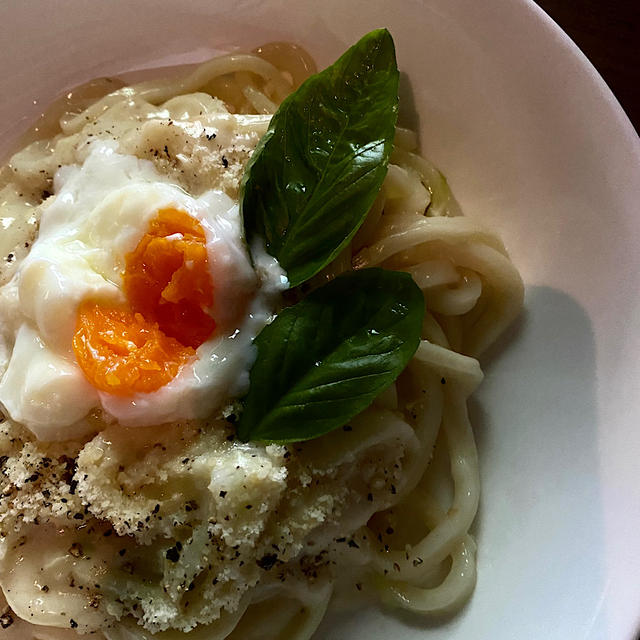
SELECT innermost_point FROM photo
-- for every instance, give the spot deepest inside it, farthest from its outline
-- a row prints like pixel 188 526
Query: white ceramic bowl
pixel 534 144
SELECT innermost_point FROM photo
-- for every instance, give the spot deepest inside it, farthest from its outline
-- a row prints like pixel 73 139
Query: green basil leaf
pixel 325 359
pixel 317 170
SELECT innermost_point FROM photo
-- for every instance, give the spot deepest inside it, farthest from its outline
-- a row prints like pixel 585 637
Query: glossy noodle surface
pixel 112 524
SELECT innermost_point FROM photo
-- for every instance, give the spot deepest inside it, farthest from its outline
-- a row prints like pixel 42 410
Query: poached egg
pixel 137 303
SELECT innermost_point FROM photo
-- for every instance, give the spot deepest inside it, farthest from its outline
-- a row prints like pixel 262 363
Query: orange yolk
pixel 167 278
pixel 122 353
pixel 169 290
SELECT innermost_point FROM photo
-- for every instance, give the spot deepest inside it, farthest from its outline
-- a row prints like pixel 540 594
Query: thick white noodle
pixel 472 292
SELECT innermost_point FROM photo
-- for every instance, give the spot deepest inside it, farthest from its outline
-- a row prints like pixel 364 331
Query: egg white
pixel 100 212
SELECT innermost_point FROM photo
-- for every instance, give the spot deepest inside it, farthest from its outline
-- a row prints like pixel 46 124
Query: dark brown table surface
pixel 608 33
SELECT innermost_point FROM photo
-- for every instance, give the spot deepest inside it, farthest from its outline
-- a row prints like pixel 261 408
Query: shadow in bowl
pixel 535 420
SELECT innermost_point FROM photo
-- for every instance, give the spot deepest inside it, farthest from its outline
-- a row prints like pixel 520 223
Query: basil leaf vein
pixel 316 172
pixel 325 359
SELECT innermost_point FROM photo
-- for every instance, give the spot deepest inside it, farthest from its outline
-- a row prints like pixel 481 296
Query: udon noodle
pixel 415 552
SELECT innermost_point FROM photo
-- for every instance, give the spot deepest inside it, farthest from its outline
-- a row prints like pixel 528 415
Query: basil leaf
pixel 325 359
pixel 317 170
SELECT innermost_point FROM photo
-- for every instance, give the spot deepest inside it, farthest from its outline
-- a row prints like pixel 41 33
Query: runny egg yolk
pixel 169 290
pixel 122 352
pixel 167 278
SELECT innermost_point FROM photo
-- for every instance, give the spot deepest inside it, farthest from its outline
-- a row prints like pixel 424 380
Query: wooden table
pixel 609 35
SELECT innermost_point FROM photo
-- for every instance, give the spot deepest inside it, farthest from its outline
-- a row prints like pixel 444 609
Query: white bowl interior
pixel 534 145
